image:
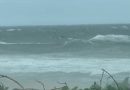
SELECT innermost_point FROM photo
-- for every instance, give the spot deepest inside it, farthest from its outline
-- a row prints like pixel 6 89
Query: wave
pixel 111 38
pixel 74 40
pixel 43 63
pixel 6 43
pixel 78 41
pixel 124 27
pixel 102 38
pixel 114 27
pixel 12 29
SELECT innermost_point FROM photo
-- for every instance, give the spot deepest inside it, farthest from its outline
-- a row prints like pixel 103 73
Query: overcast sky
pixel 54 12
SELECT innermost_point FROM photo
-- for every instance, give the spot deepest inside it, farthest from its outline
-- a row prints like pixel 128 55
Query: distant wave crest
pixel 1 42
pixel 11 29
pixel 74 41
pixel 111 38
pixel 6 43
pixel 100 38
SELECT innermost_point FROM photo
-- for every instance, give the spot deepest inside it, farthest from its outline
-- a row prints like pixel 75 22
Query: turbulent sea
pixel 74 48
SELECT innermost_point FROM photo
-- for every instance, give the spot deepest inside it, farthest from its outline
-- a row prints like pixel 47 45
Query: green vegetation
pixel 3 87
pixel 124 85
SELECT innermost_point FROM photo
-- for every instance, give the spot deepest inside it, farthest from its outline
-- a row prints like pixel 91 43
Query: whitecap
pixel 1 42
pixel 42 63
pixel 72 40
pixel 111 38
pixel 114 27
pixel 125 27
pixel 12 29
pixel 10 43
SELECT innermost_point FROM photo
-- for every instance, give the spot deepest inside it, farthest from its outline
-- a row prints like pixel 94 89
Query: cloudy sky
pixel 55 12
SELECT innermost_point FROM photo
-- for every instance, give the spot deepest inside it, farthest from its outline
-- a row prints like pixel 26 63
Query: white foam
pixel 71 40
pixel 12 29
pixel 114 27
pixel 111 38
pixel 125 27
pixel 50 64
pixel 1 42
pixel 9 43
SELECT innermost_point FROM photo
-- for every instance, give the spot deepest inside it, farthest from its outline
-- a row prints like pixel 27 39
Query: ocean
pixel 65 48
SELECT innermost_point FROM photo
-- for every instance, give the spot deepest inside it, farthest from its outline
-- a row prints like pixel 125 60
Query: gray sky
pixel 54 12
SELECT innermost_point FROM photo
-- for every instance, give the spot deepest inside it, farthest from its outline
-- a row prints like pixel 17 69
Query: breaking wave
pixel 111 38
pixel 100 38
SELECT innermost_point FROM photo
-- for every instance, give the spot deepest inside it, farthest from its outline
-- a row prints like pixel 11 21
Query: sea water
pixel 74 48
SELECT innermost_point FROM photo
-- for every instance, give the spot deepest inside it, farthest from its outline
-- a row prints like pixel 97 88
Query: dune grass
pixel 124 85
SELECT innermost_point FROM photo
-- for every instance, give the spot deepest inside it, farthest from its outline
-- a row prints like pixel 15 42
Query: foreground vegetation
pixel 124 85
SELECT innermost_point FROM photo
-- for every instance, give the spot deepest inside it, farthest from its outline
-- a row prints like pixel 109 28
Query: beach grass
pixel 114 85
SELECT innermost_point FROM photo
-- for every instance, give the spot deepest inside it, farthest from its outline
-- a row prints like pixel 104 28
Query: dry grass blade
pixel 101 80
pixel 63 83
pixel 112 78
pixel 40 82
pixel 4 76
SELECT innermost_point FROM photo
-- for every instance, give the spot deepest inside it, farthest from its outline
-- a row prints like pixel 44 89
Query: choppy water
pixel 82 48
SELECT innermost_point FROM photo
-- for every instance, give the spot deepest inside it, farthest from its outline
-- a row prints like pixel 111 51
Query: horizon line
pixel 65 24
